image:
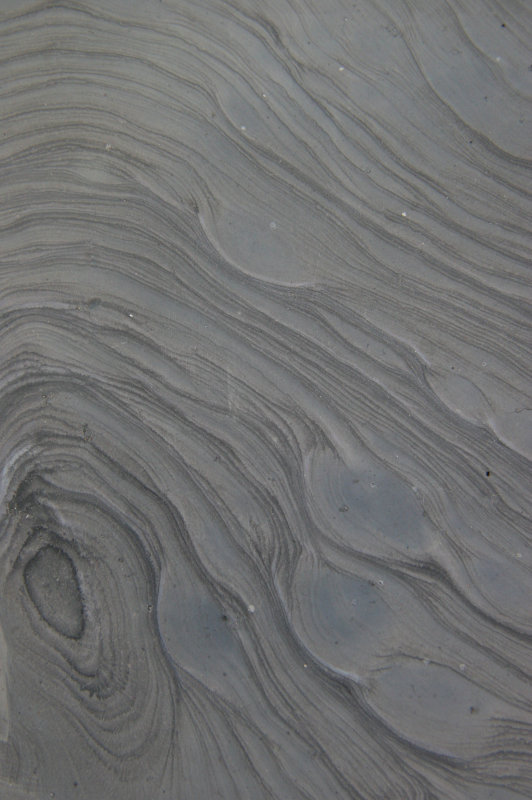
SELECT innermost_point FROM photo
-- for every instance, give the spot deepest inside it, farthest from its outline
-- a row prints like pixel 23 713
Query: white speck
pixel 498 59
pixel 380 582
pixel 341 69
pixel 519 555
pixel 426 661
pixel 264 95
pixel 108 147
pixel 403 213
pixel 461 667
pixel 273 225
pixel 353 602
pixel 130 315
pixel 373 485
pixel 243 128
pixel 251 609
pixel 305 666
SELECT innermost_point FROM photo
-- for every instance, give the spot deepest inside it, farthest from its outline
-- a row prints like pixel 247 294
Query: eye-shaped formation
pixel 264 401
pixel 52 584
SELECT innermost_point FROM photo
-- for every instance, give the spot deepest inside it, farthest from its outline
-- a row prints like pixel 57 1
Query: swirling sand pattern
pixel 265 400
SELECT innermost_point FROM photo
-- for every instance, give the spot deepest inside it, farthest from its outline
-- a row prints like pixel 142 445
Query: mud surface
pixel 265 400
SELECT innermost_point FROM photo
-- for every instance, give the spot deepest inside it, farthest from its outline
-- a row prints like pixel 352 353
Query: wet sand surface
pixel 265 400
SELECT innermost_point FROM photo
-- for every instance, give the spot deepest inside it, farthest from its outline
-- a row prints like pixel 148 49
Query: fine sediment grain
pixel 265 400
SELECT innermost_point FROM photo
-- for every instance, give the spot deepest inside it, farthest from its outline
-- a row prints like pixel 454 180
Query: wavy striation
pixel 265 427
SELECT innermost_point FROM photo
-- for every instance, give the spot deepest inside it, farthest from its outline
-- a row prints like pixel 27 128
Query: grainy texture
pixel 265 400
